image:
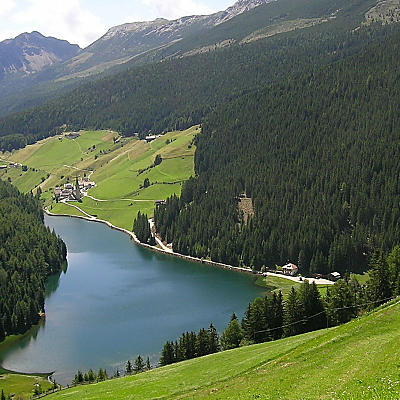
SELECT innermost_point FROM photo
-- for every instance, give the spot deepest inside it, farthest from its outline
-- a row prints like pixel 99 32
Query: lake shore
pixel 164 250
pixel 153 248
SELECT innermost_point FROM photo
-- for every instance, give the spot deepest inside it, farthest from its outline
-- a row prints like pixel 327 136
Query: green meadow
pixel 119 167
pixel 276 284
pixel 358 360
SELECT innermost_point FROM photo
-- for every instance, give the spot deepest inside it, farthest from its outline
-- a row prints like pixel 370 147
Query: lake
pixel 117 300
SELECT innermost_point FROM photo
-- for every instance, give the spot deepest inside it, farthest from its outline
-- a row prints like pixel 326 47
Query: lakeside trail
pixel 166 250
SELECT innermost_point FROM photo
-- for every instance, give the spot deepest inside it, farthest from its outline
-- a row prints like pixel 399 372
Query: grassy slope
pixel 276 284
pixel 358 360
pixel 116 169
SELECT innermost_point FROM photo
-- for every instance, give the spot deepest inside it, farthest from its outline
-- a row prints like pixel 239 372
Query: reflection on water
pixel 118 300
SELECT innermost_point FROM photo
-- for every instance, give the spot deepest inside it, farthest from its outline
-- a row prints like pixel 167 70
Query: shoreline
pixel 183 256
pixel 154 248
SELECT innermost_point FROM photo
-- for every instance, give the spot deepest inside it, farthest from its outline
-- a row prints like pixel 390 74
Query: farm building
pixel 290 269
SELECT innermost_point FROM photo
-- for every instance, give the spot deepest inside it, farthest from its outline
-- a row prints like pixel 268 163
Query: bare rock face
pixel 31 52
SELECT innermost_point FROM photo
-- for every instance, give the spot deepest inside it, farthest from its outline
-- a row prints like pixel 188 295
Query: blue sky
pixel 83 21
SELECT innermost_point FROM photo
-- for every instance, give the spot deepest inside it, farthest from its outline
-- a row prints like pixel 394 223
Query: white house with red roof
pixel 290 269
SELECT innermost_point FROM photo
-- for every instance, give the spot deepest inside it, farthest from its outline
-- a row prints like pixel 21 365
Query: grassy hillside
pixel 119 165
pixel 358 360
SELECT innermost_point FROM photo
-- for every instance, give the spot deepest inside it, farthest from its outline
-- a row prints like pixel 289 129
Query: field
pixel 119 167
pixel 276 284
pixel 358 360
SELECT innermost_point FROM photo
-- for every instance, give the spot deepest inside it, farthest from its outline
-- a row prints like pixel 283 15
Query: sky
pixel 84 21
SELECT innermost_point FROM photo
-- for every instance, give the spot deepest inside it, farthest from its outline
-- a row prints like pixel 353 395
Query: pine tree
pixel 91 375
pixel 139 365
pixel 214 339
pixel 168 353
pixel 3 396
pixel 78 378
pixel 232 335
pixel 148 365
pixel 378 287
pixel 293 315
pixel 128 367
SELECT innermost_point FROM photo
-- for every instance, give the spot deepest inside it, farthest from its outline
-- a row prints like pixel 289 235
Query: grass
pixel 276 284
pixel 22 385
pixel 358 360
pixel 119 170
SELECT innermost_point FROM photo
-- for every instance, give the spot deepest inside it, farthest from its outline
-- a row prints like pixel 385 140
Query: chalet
pixel 334 276
pixel 290 269
pixel 160 202
pixel 3 166
pixel 68 186
pixel 13 165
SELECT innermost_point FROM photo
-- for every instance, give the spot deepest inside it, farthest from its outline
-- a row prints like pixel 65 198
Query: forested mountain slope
pixel 316 153
pixel 29 253
pixel 263 21
pixel 178 93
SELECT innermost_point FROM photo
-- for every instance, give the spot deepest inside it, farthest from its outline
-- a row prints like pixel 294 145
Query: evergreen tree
pixel 91 376
pixel 168 354
pixel 293 315
pixel 202 343
pixel 139 365
pixel 3 396
pixel 214 339
pixel 232 335
pixel 128 368
pixel 78 378
pixel 148 365
pixel 379 288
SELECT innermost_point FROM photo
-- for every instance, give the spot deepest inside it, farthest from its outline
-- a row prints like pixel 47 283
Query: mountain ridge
pixel 31 52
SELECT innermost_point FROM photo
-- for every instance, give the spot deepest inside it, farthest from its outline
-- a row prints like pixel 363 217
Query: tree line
pixel 141 228
pixel 29 253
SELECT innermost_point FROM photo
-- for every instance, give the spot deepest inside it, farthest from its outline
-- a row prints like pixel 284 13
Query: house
pixel 13 165
pixel 3 166
pixel 334 276
pixel 149 138
pixel 57 192
pixel 290 269
pixel 160 202
pixel 72 135
pixel 69 186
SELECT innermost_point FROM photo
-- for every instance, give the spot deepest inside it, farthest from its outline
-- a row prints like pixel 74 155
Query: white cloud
pixel 172 9
pixel 62 19
pixel 6 6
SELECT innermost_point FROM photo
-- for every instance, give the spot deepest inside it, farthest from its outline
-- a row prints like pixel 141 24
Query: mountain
pixel 125 42
pixel 30 53
pixel 132 45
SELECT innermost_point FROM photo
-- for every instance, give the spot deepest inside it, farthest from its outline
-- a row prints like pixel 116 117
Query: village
pixel 73 192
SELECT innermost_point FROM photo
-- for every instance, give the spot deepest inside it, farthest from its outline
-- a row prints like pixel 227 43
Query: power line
pixel 322 312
